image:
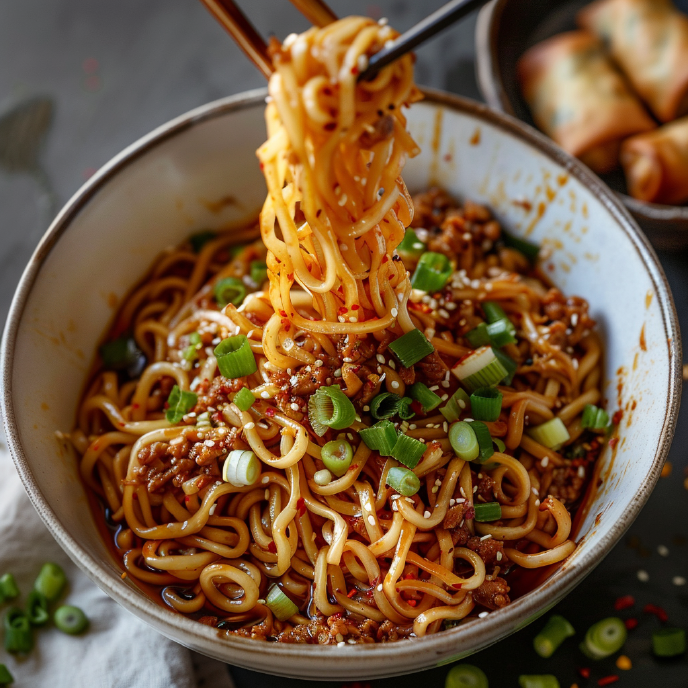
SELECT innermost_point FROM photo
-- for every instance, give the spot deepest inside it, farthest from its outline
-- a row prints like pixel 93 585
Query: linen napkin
pixel 118 650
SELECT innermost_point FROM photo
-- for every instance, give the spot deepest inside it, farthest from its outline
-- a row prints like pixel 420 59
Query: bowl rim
pixel 492 87
pixel 247 652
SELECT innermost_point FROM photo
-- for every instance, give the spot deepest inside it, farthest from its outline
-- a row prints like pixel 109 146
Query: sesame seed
pixel 445 383
pixel 498 557
pixel 367 506
pixel 434 387
pixel 394 312
pixel 211 511
pixel 460 500
pixel 426 514
pixel 643 576
pixel 395 384
pixel 444 397
pixel 392 364
pixel 445 426
pixel 353 318
pixel 581 471
pixel 545 462
pixel 341 318
pixel 341 643
pixel 380 358
pixel 379 588
pixel 412 426
pixel 443 313
pixel 663 551
pixel 485 537
pixel 482 615
pixel 265 480
pixel 475 489
pixel 371 520
pixel 264 395
pixel 463 494
pixel 351 641
pixel 537 502
pixel 249 426
pixel 678 580
pixel 338 372
pixel 294 406
pixel 209 443
pixel 318 363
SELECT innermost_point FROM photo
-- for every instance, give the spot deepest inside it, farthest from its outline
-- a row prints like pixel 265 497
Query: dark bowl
pixel 505 30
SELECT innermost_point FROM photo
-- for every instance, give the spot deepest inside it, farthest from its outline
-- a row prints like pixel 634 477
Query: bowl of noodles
pixel 376 428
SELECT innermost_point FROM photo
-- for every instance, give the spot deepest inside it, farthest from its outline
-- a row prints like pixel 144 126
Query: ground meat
pixel 487 549
pixel 430 208
pixel 460 536
pixel 308 379
pixel 455 514
pixel 407 375
pixel 355 348
pixel 432 368
pixel 452 238
pixel 571 311
pixel 492 594
pixel 566 484
pixel 217 393
pixel 152 452
pixel 485 486
pixel 390 632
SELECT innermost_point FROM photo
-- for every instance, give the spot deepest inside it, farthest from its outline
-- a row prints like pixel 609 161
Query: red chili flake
pixel 135 406
pixel 330 126
pixel 355 307
pixel 470 513
pixel 354 467
pixel 327 91
pixel 657 611
pixel 285 321
pixel 410 576
pixel 457 586
pixel 607 680
pixel 550 267
pixel 272 547
pixel 301 506
pixel 416 407
pixel 354 69
pixel 616 418
pixel 290 276
pixel 584 672
pixel 385 259
pixel 624 602
pixel 318 213
pixel 270 412
pixel 412 603
pixel 342 310
pixel 217 417
pixel 613 442
pixel 283 314
pixel 352 593
pixel 187 498
pixel 262 166
pixel 630 624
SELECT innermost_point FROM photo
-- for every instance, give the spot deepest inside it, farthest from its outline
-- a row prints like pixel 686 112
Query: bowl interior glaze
pixel 168 185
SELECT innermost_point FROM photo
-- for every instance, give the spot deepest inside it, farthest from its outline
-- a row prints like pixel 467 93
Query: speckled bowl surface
pixel 167 185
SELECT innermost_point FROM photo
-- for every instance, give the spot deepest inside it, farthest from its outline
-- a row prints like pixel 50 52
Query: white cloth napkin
pixel 118 651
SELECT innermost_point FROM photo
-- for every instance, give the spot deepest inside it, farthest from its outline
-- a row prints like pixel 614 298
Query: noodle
pixel 360 562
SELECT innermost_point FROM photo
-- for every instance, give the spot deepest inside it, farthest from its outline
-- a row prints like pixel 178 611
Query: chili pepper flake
pixel 608 680
pixel 630 623
pixel 657 611
pixel 301 506
pixel 624 602
pixel 272 547
pixel 584 672
pixel 352 593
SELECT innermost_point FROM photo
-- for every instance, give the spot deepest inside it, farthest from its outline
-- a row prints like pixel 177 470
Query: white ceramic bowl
pixel 157 191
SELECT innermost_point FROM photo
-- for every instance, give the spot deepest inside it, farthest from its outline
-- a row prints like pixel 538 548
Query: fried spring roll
pixel 656 164
pixel 649 41
pixel 578 98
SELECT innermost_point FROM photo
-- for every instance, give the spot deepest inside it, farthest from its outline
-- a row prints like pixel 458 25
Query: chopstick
pixel 428 27
pixel 242 31
pixel 316 11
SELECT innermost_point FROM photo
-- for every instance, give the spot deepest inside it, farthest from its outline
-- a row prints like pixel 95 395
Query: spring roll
pixel 656 164
pixel 649 41
pixel 579 99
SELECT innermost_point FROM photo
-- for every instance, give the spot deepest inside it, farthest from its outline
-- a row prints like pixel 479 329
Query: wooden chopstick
pixel 242 31
pixel 316 11
pixel 428 27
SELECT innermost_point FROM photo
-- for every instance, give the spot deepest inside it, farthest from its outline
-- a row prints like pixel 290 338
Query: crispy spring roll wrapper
pixel 656 164
pixel 649 41
pixel 579 99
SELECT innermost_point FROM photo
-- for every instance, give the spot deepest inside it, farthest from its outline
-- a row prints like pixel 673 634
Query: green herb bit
pixel 556 630
pixel 384 405
pixel 180 402
pixel 594 418
pixel 123 353
pixel 408 450
pixel 466 676
pixel 488 511
pixel 235 358
pixel 381 437
pixel 258 272
pixel 669 642
pixel 463 441
pixel 538 681
pixel 329 407
pixel 424 396
pixel 37 608
pixel 410 246
pixel 244 399
pixel 432 272
pixel 411 348
pixel 457 403
pixel 229 290
pixel 337 456
pixel 486 404
pixel 529 250
pixel 8 586
pixel 604 638
pixel 279 604
pixel 18 632
pixel 6 677
pixel 70 620
pixel 51 581
pixel 404 481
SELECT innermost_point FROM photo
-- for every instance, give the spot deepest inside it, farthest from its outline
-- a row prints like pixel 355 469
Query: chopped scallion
pixel 8 586
pixel 411 348
pixel 538 681
pixel 669 642
pixel 463 441
pixel 410 246
pixel 6 677
pixel 552 635
pixel 381 437
pixel 594 418
pixel 179 403
pixel 484 440
pixel 18 633
pixel 502 332
pixel 244 399
pixel 404 481
pixel 50 581
pixel 258 272
pixel 488 511
pixel 37 608
pixel 279 604
pixel 486 404
pixel 123 353
pixel 241 468
pixel 466 676
pixel 234 357
pixel 200 239
pixel 456 405
pixel 329 407
pixel 509 365
pixel 384 405
pixel 604 638
pixel 427 399
pixel 478 336
pixel 337 456
pixel 229 290
pixel 408 450
pixel 70 620
pixel 404 408
pixel 493 312
pixel 432 272
pixel 529 250
pixel 481 368
pixel 551 434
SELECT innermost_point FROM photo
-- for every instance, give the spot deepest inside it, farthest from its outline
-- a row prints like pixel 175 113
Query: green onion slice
pixel 594 418
pixel 180 402
pixel 509 365
pixel 463 441
pixel 229 290
pixel 337 456
pixel 404 481
pixel 200 239
pixel 552 635
pixel 18 633
pixel 501 447
pixel 123 353
pixel 241 468
pixel 411 245
pixel 404 408
pixel 502 332
pixel 604 638
pixel 457 403
pixel 424 396
pixel 486 404
pixel 258 272
pixel 244 399
pixel 37 608
pixel 8 587
pixel 484 440
pixel 329 407
pixel 493 312
pixel 489 511
pixel 50 581
pixel 432 272
pixel 279 604
pixel 669 642
pixel 478 336
pixel 234 357
pixel 538 681
pixel 408 450
pixel 5 676
pixel 381 437
pixel 466 676
pixel 384 405
pixel 481 368
pixel 411 348
pixel 551 434
pixel 529 250
pixel 70 620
